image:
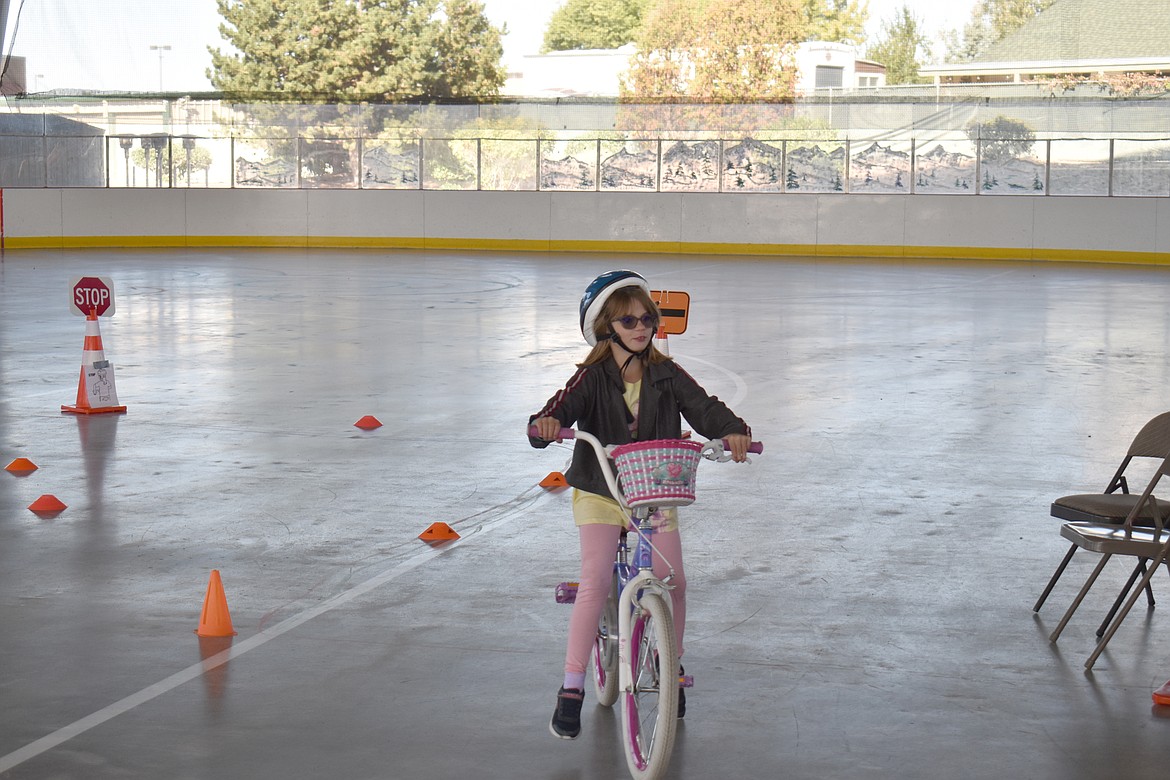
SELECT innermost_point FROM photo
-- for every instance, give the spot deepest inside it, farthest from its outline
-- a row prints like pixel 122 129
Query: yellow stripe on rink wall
pixel 859 251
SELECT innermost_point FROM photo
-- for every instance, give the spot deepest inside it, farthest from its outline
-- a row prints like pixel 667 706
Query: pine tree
pixel 339 50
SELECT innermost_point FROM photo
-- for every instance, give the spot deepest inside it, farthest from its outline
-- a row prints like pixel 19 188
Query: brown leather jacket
pixel 592 400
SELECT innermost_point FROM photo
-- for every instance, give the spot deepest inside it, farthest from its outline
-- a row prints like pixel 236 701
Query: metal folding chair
pixel 1114 505
pixel 1147 544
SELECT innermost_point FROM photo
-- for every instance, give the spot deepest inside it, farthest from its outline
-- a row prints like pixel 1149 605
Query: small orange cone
pixel 555 479
pixel 215 620
pixel 438 532
pixel 662 344
pixel 93 356
pixel 368 423
pixel 1162 695
pixel 21 467
pixel 47 506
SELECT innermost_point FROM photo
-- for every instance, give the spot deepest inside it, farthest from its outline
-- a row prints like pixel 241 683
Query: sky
pixel 106 44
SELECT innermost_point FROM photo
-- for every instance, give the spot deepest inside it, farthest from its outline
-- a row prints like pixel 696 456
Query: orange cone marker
pixel 21 467
pixel 438 532
pixel 368 423
pixel 93 357
pixel 47 506
pixel 555 479
pixel 663 345
pixel 215 620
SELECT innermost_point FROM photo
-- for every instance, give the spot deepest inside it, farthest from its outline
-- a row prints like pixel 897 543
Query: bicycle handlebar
pixel 603 456
pixel 756 447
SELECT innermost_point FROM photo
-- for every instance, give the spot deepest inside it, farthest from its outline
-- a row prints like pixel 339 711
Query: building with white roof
pixel 821 65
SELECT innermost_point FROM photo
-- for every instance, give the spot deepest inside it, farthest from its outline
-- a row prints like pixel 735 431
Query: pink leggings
pixel 598 543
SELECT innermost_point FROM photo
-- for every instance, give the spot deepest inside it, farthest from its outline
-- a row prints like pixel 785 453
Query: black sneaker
pixel 682 695
pixel 566 719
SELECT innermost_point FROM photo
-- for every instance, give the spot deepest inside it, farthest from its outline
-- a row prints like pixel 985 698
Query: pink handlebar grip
pixel 566 433
pixel 755 448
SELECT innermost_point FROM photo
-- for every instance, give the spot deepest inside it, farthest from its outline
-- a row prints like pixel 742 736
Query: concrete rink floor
pixel 859 596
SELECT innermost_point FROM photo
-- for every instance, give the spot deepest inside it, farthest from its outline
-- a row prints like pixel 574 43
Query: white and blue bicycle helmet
pixel 599 291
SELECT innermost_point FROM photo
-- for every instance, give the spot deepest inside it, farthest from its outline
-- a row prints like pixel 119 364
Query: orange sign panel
pixel 674 307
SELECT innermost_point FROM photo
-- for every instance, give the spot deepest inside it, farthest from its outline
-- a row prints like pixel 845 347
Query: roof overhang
pixel 1047 67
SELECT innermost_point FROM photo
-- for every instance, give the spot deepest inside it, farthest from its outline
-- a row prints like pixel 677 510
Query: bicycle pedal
pixel 567 592
pixel 686 681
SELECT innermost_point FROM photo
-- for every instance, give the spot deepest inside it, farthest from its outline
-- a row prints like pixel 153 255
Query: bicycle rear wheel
pixel 650 708
pixel 605 653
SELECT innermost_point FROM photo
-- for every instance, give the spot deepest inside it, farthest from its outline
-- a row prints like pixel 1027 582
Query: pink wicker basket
pixel 659 472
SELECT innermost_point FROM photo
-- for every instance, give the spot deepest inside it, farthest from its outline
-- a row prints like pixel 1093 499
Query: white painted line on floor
pixel 512 509
pixel 740 385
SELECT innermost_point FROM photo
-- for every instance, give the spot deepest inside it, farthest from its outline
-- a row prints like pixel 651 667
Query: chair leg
pixel 1138 571
pixel 1133 597
pixel 1055 576
pixel 1080 597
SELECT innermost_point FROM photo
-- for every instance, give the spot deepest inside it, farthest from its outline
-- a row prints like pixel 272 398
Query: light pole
pixel 126 142
pixel 160 48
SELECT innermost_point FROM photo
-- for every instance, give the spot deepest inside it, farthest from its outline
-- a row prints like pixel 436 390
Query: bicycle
pixel 635 635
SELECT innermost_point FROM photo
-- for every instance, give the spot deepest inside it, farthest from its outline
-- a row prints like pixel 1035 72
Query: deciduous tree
pixel 726 51
pixel 594 24
pixel 1001 139
pixel 902 47
pixel 836 20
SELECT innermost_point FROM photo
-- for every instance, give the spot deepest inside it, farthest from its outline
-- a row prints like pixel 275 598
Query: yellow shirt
pixel 591 508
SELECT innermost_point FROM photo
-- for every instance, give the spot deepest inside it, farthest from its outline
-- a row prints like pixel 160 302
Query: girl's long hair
pixel 616 305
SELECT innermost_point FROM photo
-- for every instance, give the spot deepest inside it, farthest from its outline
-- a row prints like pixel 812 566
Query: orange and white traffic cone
pixel 100 376
pixel 662 345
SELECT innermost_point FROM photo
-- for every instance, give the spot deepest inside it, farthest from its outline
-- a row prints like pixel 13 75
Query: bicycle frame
pixel 647 657
pixel 637 578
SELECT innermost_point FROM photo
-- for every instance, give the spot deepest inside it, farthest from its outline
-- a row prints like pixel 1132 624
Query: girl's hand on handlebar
pixel 548 428
pixel 738 443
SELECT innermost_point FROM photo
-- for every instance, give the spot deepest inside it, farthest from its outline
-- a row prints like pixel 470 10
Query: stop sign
pixel 92 294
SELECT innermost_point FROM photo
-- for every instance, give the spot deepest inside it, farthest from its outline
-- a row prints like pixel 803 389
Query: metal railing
pixel 934 165
pixel 1122 150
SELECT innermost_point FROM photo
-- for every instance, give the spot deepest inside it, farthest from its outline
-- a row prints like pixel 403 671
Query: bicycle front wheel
pixel 650 707
pixel 605 653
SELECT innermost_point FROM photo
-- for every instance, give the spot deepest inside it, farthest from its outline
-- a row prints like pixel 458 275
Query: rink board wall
pixel 1088 229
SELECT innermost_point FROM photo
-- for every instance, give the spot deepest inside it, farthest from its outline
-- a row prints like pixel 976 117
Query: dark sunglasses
pixel 629 321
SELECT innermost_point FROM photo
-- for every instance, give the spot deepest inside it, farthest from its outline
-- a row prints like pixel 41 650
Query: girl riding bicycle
pixel 625 390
